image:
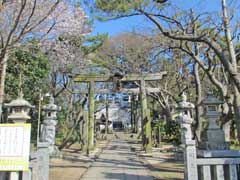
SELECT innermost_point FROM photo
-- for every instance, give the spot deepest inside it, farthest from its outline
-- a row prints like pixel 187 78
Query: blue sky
pixel 117 26
pixel 128 24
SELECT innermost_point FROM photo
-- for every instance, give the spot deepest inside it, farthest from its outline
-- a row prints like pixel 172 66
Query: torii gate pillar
pixel 91 115
pixel 146 119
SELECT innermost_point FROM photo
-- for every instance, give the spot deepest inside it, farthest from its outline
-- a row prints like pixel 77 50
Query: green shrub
pixel 173 132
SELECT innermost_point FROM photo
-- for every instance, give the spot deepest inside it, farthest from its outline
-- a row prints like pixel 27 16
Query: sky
pixel 117 26
pixel 129 24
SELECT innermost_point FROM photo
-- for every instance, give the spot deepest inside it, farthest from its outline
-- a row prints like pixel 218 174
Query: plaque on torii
pixel 117 79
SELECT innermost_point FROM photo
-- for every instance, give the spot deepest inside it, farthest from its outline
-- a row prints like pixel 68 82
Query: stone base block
pixel 213 135
pixel 54 152
pixel 214 146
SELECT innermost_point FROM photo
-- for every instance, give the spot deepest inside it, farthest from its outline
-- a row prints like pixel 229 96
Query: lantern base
pixel 214 146
pixel 214 139
pixel 54 152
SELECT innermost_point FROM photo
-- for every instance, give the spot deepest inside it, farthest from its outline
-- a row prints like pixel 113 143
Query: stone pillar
pixel 135 108
pixel 85 129
pixel 49 125
pixel 148 132
pixel 107 118
pixel 4 176
pixel 14 176
pixel 190 157
pixel 43 160
pixel 91 115
pixel 132 114
pixel 146 120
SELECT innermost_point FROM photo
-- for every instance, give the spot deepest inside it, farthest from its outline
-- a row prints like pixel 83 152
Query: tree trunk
pixel 232 54
pixel 66 140
pixel 236 105
pixel 168 114
pixel 3 68
pixel 159 136
pixel 228 35
pixel 198 108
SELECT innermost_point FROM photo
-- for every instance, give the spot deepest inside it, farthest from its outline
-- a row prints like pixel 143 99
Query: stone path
pixel 117 162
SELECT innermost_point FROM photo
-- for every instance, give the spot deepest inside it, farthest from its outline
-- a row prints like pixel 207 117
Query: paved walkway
pixel 117 162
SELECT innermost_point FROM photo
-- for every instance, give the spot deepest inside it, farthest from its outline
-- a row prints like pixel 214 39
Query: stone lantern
pixel 50 110
pixel 19 109
pixel 129 99
pixel 18 113
pixel 49 125
pixel 185 119
pixel 213 136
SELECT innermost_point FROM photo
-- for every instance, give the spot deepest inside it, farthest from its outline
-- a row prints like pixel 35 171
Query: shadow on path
pixel 117 161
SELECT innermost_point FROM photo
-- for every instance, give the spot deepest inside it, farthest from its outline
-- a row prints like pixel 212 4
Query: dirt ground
pixel 165 168
pixel 67 169
pixel 161 162
pixel 73 164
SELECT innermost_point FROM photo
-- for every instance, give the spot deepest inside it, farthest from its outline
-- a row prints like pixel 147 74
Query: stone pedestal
pixel 190 161
pixel 43 161
pixel 4 175
pixel 48 134
pixel 213 139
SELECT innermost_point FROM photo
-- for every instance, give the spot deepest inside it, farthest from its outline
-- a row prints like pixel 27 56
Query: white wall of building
pixel 117 113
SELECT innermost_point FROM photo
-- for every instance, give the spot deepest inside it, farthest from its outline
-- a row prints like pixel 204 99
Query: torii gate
pixel 145 113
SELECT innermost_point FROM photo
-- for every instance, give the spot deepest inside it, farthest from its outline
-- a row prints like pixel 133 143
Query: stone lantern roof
pixel 19 109
pixel 51 106
pixel 19 102
pixel 184 104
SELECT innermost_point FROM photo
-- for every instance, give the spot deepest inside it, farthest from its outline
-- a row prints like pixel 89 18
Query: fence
pixel 222 164
pixel 218 168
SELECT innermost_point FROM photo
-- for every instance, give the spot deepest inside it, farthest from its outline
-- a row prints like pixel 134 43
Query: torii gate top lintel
pixel 128 77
